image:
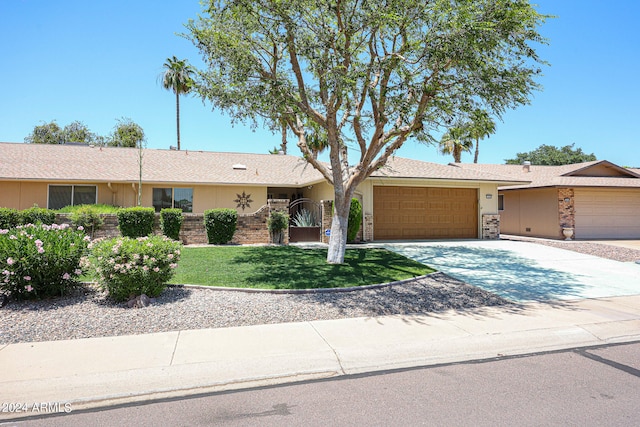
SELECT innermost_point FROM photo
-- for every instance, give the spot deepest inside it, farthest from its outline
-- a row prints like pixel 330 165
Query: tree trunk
pixel 340 221
pixel 457 153
pixel 283 143
pixel 475 157
pixel 178 118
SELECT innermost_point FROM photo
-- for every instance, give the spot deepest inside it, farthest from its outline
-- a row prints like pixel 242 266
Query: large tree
pixel 178 77
pixel 552 156
pixel 370 74
pixel 126 133
pixel 46 133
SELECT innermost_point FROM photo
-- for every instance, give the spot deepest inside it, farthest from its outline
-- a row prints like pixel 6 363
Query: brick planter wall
pixel 251 228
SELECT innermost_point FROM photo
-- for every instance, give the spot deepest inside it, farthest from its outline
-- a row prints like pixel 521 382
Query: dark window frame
pixel 73 195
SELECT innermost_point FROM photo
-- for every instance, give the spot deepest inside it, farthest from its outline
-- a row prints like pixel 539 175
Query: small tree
pixel 355 219
pixel 88 218
pixel 278 222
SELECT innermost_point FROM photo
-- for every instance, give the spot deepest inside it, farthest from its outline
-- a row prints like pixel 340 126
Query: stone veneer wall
pixel 566 210
pixel 327 218
pixel 368 227
pixel 490 227
pixel 251 228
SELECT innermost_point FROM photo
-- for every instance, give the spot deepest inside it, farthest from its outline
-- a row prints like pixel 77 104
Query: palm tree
pixel 177 76
pixel 481 126
pixel 455 141
pixel 316 141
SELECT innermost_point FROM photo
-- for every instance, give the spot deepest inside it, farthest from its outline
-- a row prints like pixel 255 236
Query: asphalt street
pixel 591 386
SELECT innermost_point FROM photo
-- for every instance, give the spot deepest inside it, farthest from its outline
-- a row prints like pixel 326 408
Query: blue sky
pixel 98 61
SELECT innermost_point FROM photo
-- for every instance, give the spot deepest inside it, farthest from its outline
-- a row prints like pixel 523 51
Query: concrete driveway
pixel 523 271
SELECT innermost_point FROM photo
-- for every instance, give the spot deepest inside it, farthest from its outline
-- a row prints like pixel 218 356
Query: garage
pixel 607 214
pixel 407 213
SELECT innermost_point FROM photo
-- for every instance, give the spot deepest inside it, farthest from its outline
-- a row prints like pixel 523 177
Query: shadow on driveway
pixel 503 272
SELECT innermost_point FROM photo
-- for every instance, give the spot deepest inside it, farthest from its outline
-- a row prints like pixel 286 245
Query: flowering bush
pixel 38 261
pixel 128 267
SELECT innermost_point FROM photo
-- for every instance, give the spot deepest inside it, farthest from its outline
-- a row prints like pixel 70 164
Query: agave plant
pixel 305 218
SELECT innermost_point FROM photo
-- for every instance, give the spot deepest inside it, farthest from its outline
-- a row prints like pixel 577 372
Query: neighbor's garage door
pixel 424 213
pixel 607 214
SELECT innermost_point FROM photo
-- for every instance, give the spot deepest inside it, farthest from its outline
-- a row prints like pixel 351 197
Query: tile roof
pixel 110 164
pixel 561 176
pixel 398 167
pixel 19 161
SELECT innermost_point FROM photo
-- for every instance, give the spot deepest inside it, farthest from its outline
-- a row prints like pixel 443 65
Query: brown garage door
pixel 424 213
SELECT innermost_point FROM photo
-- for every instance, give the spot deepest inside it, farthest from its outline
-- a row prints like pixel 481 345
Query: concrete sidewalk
pixel 96 372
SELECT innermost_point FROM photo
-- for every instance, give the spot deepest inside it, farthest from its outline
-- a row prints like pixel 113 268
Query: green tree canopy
pixel 78 132
pixel 552 156
pixel 126 133
pixel 455 141
pixel 46 133
pixel 370 74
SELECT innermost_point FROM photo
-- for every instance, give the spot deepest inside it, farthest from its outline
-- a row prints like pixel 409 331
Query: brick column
pixel 490 227
pixel 368 227
pixel 327 218
pixel 566 210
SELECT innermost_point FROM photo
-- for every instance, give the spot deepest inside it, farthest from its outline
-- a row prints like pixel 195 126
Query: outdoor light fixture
pixel 489 196
pixel 567 200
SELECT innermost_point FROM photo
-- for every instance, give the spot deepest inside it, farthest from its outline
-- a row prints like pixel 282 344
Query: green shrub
pixel 171 222
pixel 9 218
pixel 136 222
pixel 220 225
pixel 100 208
pixel 355 219
pixel 126 267
pixel 277 222
pixel 87 218
pixel 37 215
pixel 40 260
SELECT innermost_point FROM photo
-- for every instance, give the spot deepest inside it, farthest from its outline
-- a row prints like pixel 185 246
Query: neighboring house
pixel 407 199
pixel 599 199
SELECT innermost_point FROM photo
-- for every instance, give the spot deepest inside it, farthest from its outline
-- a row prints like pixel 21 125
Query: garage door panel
pixel 607 214
pixel 425 213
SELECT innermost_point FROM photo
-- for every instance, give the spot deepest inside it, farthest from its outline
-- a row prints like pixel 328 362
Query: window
pixel 500 202
pixel 180 198
pixel 70 195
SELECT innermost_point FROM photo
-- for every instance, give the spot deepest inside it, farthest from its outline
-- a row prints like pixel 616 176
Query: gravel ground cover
pixel 88 313
pixel 601 250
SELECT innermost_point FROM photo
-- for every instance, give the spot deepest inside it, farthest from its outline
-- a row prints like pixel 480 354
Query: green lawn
pixel 289 267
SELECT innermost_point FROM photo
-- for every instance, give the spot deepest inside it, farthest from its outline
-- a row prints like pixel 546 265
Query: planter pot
pixel 568 233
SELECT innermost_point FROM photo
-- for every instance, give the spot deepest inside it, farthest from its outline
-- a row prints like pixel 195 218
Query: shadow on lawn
pixel 500 271
pixel 298 268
